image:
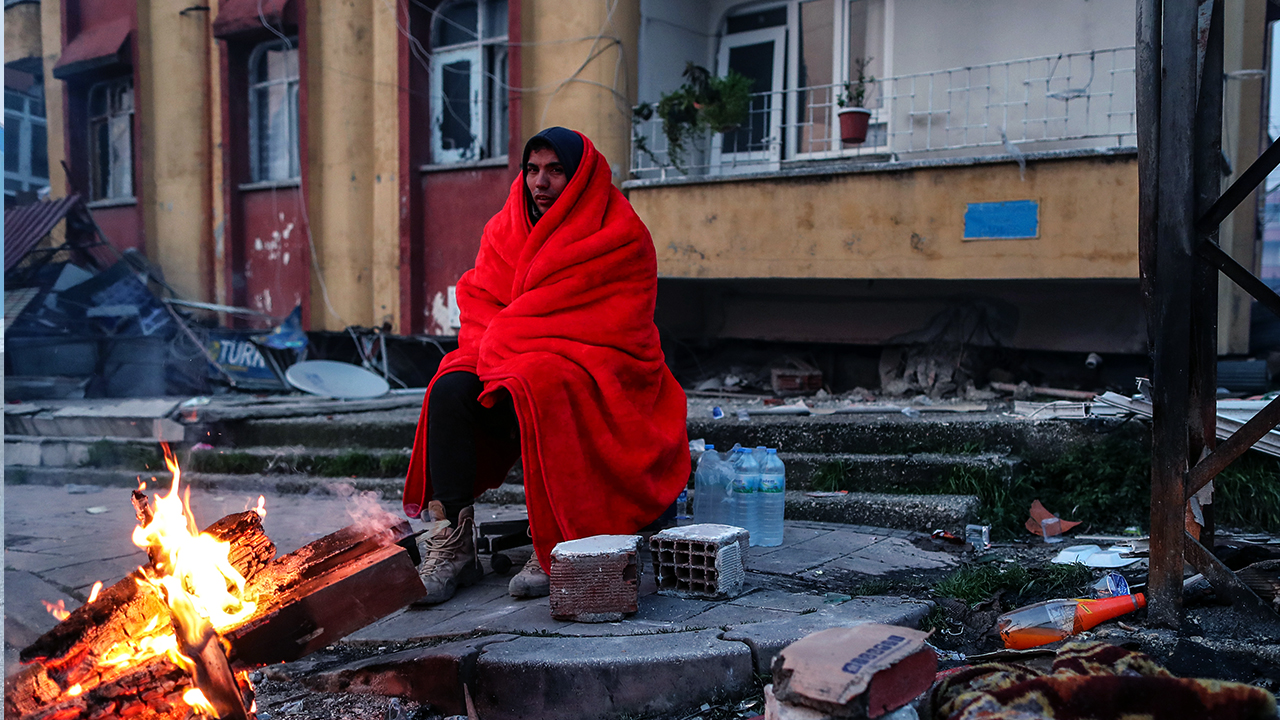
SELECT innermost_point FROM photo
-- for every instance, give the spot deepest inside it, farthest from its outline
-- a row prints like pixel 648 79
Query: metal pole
pixel 1171 305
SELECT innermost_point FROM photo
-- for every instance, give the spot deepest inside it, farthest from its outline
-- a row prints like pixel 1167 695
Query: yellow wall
pixel 340 40
pixel 902 224
pixel 579 63
pixel 173 131
pixel 22 32
pixel 51 42
pixel 385 233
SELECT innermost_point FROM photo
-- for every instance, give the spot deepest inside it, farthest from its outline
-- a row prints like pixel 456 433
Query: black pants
pixel 458 429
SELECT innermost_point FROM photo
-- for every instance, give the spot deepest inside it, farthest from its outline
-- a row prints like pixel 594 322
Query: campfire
pixel 178 636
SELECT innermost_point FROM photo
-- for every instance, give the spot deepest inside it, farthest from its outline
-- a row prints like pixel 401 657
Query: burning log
pixel 304 600
pixel 77 651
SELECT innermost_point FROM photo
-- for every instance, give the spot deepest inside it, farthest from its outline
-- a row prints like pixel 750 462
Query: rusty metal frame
pixel 1180 206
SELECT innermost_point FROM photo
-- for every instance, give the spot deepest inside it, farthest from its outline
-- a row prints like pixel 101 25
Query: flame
pixel 93 593
pixel 193 574
pixel 262 507
pixel 199 702
pixel 75 690
pixel 58 609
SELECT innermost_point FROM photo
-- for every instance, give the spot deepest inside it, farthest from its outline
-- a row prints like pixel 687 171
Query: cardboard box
pixel 863 671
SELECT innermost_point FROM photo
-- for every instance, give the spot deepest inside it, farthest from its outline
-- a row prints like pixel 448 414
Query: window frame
pixel 292 99
pixel 789 149
pixel 25 120
pixel 488 102
pixel 100 189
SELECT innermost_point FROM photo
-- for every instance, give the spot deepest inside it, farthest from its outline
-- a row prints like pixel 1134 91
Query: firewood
pixel 71 652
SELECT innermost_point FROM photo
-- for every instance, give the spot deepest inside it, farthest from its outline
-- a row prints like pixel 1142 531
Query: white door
pixel 456 118
pixel 760 55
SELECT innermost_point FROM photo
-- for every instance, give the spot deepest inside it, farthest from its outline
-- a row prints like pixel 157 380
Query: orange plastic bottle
pixel 1054 620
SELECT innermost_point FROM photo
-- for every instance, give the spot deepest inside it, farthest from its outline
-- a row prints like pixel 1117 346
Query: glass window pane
pixel 13 101
pixel 39 151
pixel 756 62
pixel 98 101
pixel 101 158
pixel 498 105
pixel 295 162
pixel 35 106
pixel 123 97
pixel 457 24
pixel 274 110
pixel 816 107
pixel 12 131
pixel 495 18
pixel 280 64
pixel 455 125
pixel 756 20
pixel 121 178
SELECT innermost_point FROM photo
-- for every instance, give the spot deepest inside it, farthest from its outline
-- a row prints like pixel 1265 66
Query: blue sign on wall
pixel 1012 220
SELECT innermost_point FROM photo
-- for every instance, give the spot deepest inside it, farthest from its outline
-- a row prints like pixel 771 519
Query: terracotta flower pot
pixel 853 124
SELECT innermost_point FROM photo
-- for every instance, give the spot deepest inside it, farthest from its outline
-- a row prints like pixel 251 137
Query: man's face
pixel 545 178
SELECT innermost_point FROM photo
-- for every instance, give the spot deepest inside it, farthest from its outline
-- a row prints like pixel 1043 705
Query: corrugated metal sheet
pixel 26 225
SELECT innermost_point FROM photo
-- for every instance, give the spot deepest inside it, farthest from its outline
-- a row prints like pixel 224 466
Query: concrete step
pixel 917 472
pixel 921 513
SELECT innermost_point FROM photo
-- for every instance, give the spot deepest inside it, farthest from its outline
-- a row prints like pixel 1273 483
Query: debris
pixel 73 489
pixel 1046 524
pixel 700 561
pixel 861 671
pixel 946 537
pixel 1047 391
pixel 979 536
pixel 836 598
pixel 717 413
pixel 1094 556
pixel 797 377
pixel 1110 585
pixel 97 509
pixel 1054 620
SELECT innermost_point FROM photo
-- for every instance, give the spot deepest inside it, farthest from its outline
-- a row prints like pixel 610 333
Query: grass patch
pixel 976 583
pixel 1247 494
pixel 832 476
pixel 348 464
pixel 108 454
pixel 224 462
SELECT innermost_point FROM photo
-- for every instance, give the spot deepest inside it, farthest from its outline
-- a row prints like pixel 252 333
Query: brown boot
pixel 530 582
pixel 449 558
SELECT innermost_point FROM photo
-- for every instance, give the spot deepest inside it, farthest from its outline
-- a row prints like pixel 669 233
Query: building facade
pixel 345 156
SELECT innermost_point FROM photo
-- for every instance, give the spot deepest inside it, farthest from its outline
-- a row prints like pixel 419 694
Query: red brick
pixel 595 579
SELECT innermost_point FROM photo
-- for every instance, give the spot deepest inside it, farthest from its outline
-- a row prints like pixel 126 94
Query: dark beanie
pixel 566 143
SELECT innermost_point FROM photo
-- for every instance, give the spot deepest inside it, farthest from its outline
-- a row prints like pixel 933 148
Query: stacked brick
pixel 700 561
pixel 595 579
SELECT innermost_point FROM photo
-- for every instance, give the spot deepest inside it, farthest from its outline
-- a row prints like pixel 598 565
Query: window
pixel 798 54
pixel 26 157
pixel 469 81
pixel 111 140
pixel 273 112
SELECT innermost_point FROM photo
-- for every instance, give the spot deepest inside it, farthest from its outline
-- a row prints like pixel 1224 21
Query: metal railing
pixel 1076 100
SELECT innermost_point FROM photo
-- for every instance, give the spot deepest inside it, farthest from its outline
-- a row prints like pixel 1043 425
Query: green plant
pixel 831 476
pixel 976 583
pixel 855 90
pixel 703 102
pixel 1247 494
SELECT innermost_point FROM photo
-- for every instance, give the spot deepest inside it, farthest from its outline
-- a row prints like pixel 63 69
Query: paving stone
pixel 433 675
pixel 766 639
pixel 792 561
pixel 25 618
pixel 670 610
pixel 903 555
pixel 409 625
pixel 779 600
pixel 726 614
pixel 840 541
pixel 107 571
pixel 589 678
pixel 36 562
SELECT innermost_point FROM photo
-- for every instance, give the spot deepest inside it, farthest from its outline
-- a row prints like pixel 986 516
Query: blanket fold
pixel 560 315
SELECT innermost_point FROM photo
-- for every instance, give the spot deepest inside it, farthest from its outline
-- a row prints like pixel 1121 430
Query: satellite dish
pixel 328 378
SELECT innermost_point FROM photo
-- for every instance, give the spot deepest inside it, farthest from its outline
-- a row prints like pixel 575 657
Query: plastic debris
pixel 1046 524
pixel 1054 620
pixel 979 536
pixel 1110 585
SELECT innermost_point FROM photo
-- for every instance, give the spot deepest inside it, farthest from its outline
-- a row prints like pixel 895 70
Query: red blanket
pixel 560 315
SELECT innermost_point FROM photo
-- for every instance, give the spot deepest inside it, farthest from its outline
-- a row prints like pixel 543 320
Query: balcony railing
pixel 1077 100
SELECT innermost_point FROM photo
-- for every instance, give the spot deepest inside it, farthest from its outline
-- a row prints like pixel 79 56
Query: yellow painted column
pixel 22 32
pixel 340 151
pixel 1244 42
pixel 387 203
pixel 217 170
pixel 580 55
pixel 173 129
pixel 55 118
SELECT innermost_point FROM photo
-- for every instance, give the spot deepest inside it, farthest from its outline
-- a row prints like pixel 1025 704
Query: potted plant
pixel 854 117
pixel 704 102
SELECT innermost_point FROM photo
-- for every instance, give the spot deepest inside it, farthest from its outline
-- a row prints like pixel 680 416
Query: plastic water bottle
pixel 773 486
pixel 746 487
pixel 704 481
pixel 722 508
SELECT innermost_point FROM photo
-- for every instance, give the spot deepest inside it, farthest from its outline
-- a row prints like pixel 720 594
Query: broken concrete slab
pixel 433 675
pixel 766 639
pixel 570 678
